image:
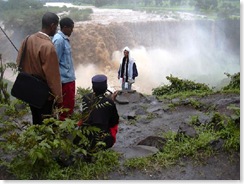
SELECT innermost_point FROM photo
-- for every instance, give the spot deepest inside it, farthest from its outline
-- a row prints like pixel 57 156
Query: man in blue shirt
pixel 67 72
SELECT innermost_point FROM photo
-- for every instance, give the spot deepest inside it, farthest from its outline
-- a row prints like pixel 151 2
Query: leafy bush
pixel 81 92
pixel 179 85
pixel 231 131
pixel 33 149
pixel 234 81
pixel 4 94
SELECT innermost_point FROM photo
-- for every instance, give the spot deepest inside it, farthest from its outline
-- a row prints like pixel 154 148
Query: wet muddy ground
pixel 222 166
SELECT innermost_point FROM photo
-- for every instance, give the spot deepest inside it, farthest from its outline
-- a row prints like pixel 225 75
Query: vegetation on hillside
pixel 215 8
pixel 25 15
pixel 198 148
pixel 185 88
pixel 179 86
pixel 234 82
pixel 221 128
pixel 40 151
pixel 33 151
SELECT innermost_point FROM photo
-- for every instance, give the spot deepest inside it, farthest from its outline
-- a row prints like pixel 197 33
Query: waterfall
pixel 200 50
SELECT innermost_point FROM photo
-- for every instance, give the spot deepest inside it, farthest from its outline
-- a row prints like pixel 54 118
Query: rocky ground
pixel 143 120
pixel 140 137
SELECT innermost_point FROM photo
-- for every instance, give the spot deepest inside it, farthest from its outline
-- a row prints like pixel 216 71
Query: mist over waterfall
pixel 189 47
pixel 199 50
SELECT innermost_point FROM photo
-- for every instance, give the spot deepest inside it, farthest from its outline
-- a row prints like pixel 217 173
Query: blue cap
pixel 99 84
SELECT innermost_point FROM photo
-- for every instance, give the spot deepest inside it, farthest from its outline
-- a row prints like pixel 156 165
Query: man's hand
pixel 114 95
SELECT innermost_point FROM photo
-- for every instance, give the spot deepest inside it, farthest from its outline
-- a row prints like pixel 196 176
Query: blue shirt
pixel 63 49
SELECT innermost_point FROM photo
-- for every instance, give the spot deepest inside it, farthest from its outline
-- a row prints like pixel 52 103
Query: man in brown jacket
pixel 41 60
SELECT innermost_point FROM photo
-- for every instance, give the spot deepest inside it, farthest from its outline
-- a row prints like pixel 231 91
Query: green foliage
pixel 23 4
pixel 36 150
pixel 25 21
pixel 99 3
pixel 4 94
pixel 151 116
pixel 25 16
pixel 35 145
pixel 105 162
pixel 206 4
pixel 217 122
pixel 179 85
pixel 80 15
pixel 81 92
pixel 212 8
pixel 231 131
pixel 229 9
pixel 33 148
pixel 185 95
pixel 234 82
pixel 196 104
pixel 16 109
pixel 178 145
pixel 139 163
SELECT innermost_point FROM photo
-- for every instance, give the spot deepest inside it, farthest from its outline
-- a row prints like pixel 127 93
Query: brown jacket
pixel 41 59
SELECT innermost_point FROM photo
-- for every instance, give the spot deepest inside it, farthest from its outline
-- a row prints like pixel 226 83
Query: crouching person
pixel 101 112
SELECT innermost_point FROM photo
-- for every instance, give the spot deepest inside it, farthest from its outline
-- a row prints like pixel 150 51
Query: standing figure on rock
pixel 127 70
pixel 67 72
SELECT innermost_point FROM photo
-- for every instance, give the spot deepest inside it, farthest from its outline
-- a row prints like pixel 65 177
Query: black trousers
pixel 38 115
